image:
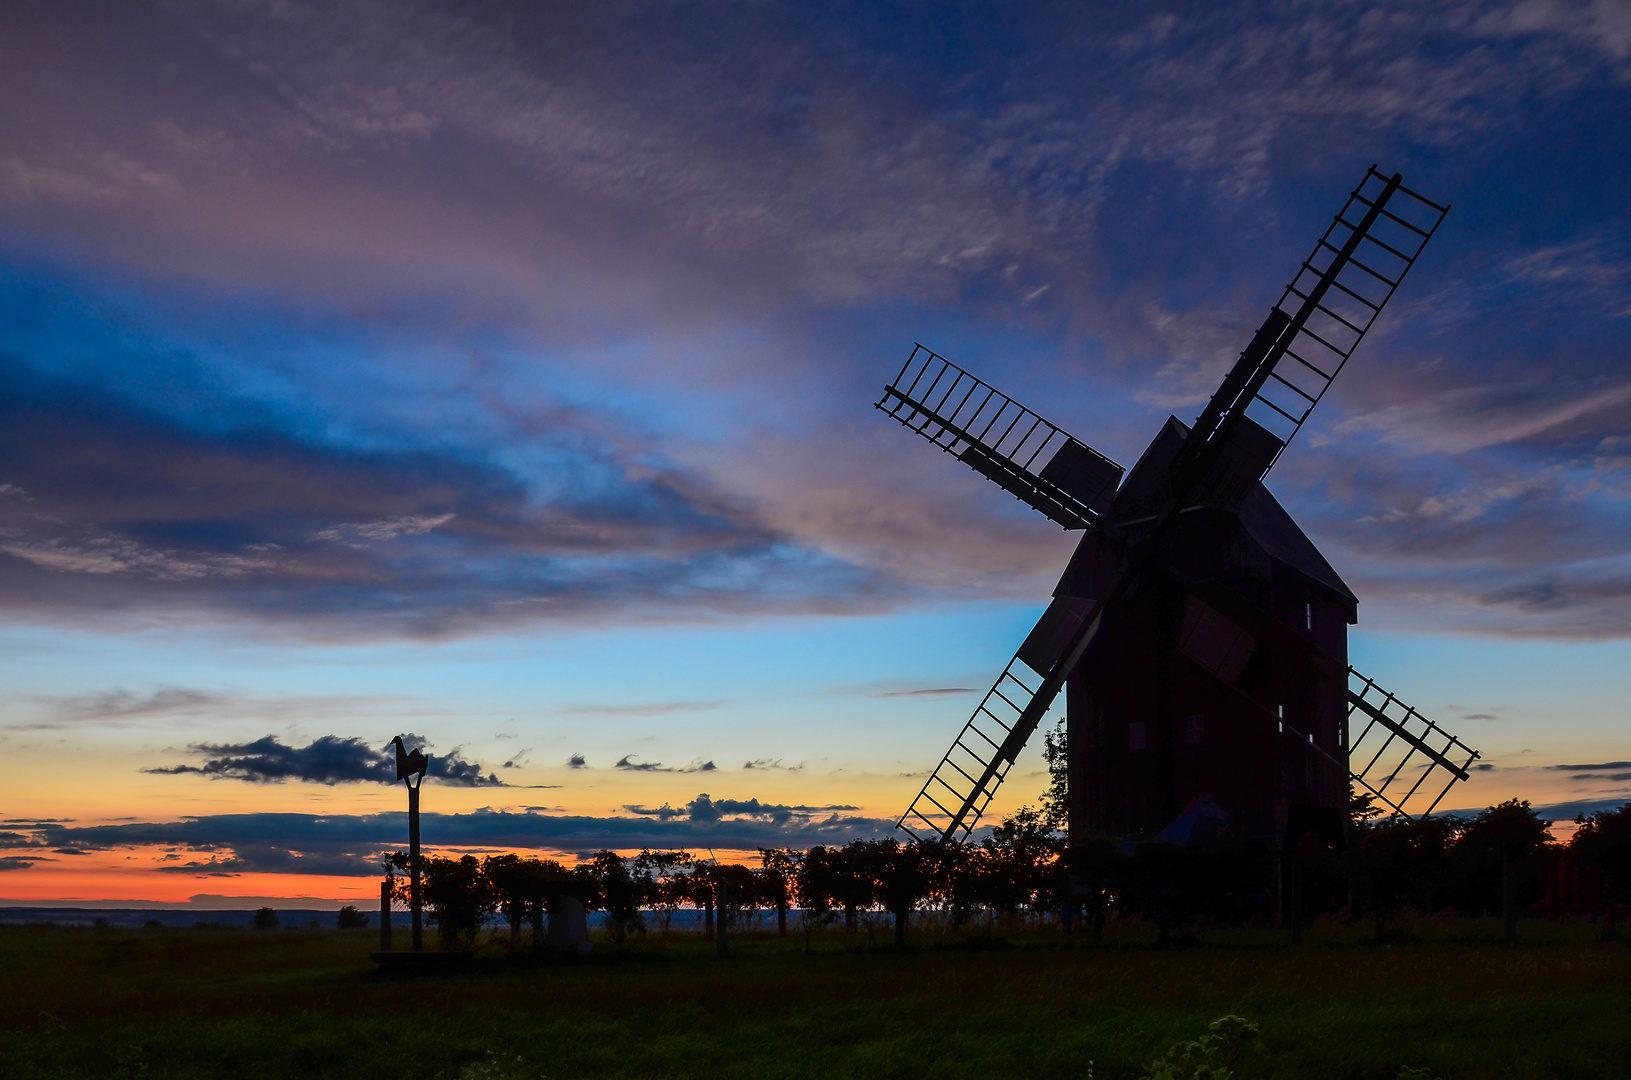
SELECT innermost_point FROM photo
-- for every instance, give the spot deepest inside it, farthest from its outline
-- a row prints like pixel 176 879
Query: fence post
pixel 724 919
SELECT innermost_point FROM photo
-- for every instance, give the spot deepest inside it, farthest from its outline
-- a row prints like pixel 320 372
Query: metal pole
pixel 414 899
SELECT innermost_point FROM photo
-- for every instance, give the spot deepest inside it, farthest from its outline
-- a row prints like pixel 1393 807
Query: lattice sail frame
pixel 1395 741
pixel 1320 345
pixel 1038 462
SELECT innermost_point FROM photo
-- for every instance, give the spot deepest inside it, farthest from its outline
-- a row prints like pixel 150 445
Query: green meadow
pixel 1443 1000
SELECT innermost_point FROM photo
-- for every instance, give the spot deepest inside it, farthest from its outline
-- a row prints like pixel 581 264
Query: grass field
pixel 286 1003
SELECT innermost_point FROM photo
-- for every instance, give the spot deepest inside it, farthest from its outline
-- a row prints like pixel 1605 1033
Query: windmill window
pixel 1194 728
pixel 1308 616
pixel 1135 736
pixel 1280 711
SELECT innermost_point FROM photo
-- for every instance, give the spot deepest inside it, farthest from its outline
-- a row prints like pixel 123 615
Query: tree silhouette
pixel 1603 843
pixel 779 880
pixel 619 894
pixel 660 878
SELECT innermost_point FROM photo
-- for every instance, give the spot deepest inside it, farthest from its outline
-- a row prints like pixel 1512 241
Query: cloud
pixel 1471 418
pixel 329 759
pixel 120 704
pixel 633 355
pixel 942 691
pixel 1596 766
pixel 708 810
pixel 627 762
pixel 13 862
pixel 352 844
pixel 135 512
pixel 657 708
pixel 576 761
pixel 772 763
pixel 360 534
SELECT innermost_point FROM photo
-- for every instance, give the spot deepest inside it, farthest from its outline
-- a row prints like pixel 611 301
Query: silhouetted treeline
pixel 1475 865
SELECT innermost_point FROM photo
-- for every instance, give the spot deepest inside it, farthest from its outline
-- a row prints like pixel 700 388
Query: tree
pixel 508 879
pixel 1023 861
pixel 619 894
pixel 264 919
pixel 853 882
pixel 349 918
pixel 1498 856
pixel 458 895
pixel 660 878
pixel 1603 842
pixel 735 888
pixel 948 878
pixel 1055 800
pixel 899 879
pixel 778 881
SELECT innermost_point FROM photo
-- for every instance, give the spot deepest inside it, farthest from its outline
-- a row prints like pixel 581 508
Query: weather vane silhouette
pixel 411 765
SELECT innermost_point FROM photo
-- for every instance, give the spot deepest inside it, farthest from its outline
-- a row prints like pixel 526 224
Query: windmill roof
pixel 1146 490
pixel 1272 527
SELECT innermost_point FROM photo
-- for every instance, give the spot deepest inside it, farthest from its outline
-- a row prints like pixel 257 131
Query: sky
pixel 501 375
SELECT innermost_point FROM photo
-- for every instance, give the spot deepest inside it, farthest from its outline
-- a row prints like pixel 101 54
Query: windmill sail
pixel 961 786
pixel 1319 320
pixel 1002 440
pixel 1330 304
pixel 1399 756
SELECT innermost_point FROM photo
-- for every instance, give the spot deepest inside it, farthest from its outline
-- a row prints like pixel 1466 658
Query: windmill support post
pixel 415 898
pixel 1294 868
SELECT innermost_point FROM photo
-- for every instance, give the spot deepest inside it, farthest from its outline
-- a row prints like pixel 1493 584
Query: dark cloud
pixel 329 759
pixel 627 762
pixel 135 511
pixel 1595 766
pixel 13 862
pixel 1112 192
pixel 1602 776
pixel 708 810
pixel 123 704
pixel 940 691
pixel 1568 811
pixel 576 761
pixel 771 763
pixel 352 844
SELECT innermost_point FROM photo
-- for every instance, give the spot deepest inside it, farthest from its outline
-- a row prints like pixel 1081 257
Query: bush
pixel 350 918
pixel 1212 1056
pixel 265 919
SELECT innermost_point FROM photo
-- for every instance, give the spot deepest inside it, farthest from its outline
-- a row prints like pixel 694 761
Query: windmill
pixel 1199 636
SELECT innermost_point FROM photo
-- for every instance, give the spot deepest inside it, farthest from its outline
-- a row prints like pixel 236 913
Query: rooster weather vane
pixel 410 769
pixel 1199 636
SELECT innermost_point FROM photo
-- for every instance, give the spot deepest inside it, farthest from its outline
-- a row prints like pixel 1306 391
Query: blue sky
pixel 503 373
